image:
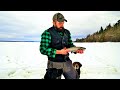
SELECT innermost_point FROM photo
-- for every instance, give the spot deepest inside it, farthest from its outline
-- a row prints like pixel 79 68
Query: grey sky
pixel 29 25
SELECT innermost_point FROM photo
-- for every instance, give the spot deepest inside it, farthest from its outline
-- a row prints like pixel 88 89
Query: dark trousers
pixel 67 68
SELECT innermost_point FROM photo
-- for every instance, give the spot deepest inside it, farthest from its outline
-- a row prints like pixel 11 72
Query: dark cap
pixel 59 17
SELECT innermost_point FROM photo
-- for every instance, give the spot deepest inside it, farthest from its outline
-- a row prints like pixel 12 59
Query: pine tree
pixel 101 30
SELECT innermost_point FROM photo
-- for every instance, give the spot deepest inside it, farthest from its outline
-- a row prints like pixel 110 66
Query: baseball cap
pixel 59 17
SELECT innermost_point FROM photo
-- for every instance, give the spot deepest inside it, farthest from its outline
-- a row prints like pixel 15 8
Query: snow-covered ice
pixel 23 60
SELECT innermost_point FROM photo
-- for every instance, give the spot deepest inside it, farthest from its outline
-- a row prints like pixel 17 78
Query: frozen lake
pixel 22 60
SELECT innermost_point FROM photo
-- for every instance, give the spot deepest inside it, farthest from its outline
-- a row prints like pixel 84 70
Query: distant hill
pixel 109 34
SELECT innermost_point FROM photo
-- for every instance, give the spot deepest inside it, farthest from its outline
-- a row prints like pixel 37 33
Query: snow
pixel 23 60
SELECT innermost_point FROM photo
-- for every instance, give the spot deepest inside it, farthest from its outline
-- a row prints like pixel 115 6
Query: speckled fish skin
pixel 74 49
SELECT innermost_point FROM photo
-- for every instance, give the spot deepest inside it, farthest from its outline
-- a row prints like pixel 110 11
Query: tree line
pixel 109 34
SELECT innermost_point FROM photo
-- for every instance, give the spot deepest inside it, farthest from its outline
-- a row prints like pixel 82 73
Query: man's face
pixel 59 25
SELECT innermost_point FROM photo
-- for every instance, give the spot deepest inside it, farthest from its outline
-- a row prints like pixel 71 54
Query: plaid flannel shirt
pixel 45 42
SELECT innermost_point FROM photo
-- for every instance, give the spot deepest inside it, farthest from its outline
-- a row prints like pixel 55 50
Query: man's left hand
pixel 80 51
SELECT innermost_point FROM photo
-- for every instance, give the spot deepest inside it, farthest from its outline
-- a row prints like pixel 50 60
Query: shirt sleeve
pixel 44 45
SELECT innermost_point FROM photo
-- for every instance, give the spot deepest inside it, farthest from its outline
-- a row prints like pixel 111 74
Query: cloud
pixel 29 25
pixel 88 22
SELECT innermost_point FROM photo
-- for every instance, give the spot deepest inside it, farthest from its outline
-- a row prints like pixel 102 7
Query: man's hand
pixel 80 51
pixel 63 51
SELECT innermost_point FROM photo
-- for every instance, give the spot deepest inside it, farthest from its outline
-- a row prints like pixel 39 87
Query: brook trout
pixel 74 49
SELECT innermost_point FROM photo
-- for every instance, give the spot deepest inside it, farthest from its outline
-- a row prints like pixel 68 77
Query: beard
pixel 60 28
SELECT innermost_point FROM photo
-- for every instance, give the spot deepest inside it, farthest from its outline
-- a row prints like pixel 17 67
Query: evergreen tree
pixel 101 30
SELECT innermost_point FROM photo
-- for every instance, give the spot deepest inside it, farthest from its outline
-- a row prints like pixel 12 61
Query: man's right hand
pixel 63 51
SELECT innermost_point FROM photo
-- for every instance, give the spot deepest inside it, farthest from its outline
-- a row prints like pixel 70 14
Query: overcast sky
pixel 29 25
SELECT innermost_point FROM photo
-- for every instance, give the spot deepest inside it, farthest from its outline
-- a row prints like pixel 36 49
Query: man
pixel 54 44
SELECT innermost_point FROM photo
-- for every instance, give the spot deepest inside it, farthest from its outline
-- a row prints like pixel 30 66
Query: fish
pixel 74 49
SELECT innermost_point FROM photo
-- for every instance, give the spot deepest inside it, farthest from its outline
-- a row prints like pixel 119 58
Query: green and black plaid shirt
pixel 45 42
